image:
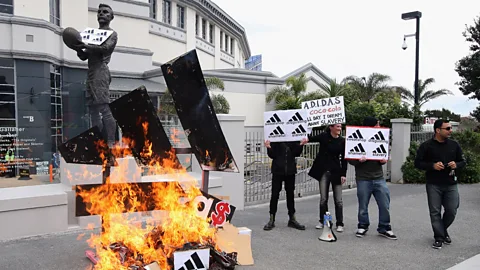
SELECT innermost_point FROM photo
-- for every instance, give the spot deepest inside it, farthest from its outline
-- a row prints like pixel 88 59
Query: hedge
pixel 470 143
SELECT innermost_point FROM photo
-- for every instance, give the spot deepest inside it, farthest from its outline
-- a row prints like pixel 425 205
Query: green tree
pixel 425 95
pixel 219 102
pixel 443 114
pixel 368 88
pixel 476 113
pixel 289 96
pixel 468 68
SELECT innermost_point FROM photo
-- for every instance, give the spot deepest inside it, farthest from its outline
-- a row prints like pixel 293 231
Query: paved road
pixel 286 248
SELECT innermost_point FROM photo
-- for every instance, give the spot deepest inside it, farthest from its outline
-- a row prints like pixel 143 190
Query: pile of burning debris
pixel 214 260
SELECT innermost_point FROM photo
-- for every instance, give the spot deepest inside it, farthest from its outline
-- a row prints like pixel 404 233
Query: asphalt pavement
pixel 287 248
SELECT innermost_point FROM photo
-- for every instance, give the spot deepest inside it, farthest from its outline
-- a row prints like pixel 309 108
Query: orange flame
pixel 178 222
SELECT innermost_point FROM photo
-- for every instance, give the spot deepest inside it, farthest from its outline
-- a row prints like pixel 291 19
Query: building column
pixel 401 129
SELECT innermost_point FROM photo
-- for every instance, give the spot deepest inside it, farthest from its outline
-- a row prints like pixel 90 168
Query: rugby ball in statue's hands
pixel 72 38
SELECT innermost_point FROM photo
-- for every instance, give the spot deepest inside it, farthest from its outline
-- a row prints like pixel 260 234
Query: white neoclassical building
pixel 42 87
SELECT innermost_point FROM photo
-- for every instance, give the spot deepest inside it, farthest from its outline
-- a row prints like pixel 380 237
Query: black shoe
pixel 389 235
pixel 271 223
pixel 361 232
pixel 293 223
pixel 447 240
pixel 437 244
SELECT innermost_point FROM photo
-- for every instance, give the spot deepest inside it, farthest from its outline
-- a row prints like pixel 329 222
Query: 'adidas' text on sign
pixel 324 112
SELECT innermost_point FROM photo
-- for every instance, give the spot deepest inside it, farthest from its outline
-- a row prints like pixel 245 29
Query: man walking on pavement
pixel 440 157
pixel 371 181
pixel 284 168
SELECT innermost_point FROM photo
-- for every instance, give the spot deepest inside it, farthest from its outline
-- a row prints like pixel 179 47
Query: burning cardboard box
pixel 186 235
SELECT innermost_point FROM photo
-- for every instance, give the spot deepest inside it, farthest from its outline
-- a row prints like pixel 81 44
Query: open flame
pixel 170 229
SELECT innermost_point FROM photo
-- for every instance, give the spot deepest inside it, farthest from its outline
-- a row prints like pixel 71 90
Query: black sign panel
pixel 186 83
pixel 136 116
pixel 83 149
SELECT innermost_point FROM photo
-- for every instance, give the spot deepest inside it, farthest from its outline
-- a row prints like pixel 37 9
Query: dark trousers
pixel 277 181
pixel 448 197
pixel 324 183
pixel 103 118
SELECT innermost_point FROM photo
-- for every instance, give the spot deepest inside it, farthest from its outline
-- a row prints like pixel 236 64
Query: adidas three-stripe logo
pixel 356 135
pixel 379 137
pixel 192 263
pixel 358 149
pixel 299 130
pixel 380 150
pixel 277 131
pixel 274 119
pixel 296 117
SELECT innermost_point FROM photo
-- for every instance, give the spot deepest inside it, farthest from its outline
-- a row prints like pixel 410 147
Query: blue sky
pixel 360 37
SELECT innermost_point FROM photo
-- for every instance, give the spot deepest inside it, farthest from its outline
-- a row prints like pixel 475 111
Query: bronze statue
pixel 98 78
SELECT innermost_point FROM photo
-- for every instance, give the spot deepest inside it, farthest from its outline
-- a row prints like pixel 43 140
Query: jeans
pixel 337 197
pixel 448 197
pixel 277 181
pixel 379 189
pixel 105 120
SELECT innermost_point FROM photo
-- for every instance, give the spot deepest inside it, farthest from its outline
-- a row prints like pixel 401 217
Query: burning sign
pixel 186 83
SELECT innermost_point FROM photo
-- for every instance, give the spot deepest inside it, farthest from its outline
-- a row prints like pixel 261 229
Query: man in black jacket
pixel 440 157
pixel 284 168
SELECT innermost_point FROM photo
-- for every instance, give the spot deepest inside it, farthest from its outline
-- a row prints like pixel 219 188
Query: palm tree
pixel 334 89
pixel 291 96
pixel 425 95
pixel 368 88
pixel 219 102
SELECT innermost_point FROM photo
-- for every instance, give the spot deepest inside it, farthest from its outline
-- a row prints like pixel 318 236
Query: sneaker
pixel 319 226
pixel 361 232
pixel 447 240
pixel 339 228
pixel 437 244
pixel 388 234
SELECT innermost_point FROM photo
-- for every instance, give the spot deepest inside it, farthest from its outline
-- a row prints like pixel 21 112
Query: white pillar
pixel 401 129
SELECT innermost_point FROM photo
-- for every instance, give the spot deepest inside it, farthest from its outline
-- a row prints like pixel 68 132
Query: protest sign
pixel 324 112
pixel 369 142
pixel 286 125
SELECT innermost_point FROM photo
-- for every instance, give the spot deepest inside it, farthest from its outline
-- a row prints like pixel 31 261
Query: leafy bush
pixel 470 143
pixel 410 173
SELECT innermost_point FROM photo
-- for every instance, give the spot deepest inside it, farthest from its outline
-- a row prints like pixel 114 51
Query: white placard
pixel 191 259
pixel 285 126
pixel 95 36
pixel 369 142
pixel 324 112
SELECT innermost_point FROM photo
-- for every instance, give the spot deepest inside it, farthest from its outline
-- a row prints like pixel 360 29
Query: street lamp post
pixel 409 16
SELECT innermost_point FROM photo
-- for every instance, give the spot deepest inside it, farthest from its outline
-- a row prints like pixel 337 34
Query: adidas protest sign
pixel 191 259
pixel 369 142
pixel 286 125
pixel 324 112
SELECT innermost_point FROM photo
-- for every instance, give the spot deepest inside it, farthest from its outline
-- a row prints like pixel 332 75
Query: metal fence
pixel 420 134
pixel 258 177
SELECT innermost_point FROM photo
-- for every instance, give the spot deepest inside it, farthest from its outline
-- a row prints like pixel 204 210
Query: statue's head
pixel 105 14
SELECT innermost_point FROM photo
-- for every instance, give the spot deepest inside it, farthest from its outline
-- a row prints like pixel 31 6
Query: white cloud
pixel 360 37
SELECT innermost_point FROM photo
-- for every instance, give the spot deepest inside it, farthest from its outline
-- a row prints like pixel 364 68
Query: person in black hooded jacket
pixel 283 168
pixel 330 167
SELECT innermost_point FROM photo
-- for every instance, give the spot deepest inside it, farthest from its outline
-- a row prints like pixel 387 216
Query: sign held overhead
pixel 324 112
pixel 286 125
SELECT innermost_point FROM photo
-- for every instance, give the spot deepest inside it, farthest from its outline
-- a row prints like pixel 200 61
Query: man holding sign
pixel 284 168
pixel 371 181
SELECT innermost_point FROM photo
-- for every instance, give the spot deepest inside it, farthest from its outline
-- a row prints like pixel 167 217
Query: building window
pixel 180 17
pixel 153 9
pixel 226 43
pixel 204 29
pixel 56 112
pixel 196 25
pixel 211 33
pixel 54 11
pixel 232 46
pixel 6 6
pixel 221 40
pixel 7 93
pixel 167 12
